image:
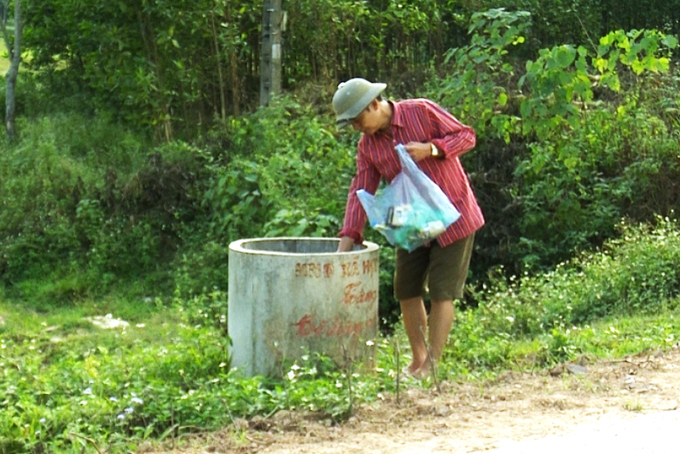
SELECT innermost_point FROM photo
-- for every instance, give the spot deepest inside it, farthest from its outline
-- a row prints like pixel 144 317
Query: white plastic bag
pixel 412 210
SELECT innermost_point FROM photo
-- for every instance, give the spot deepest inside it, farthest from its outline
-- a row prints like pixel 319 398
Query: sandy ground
pixel 463 417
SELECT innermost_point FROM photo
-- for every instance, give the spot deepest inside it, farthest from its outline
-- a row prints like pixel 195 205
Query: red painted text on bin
pixel 308 326
pixel 355 294
pixel 326 270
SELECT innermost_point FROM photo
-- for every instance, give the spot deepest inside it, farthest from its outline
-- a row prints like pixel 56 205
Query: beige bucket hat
pixel 352 97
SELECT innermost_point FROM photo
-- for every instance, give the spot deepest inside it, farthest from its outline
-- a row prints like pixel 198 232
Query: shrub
pixel 84 201
pixel 570 149
pixel 633 275
pixel 284 172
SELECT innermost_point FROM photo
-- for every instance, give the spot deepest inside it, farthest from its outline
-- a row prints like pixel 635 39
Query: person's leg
pixel 440 321
pixel 446 281
pixel 409 279
pixel 415 323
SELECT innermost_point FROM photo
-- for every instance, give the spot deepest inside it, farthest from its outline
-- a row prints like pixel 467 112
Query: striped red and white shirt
pixel 417 120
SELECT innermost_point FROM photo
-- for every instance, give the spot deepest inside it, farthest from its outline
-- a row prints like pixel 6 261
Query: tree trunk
pixel 14 51
pixel 270 67
pixel 223 98
pixel 234 72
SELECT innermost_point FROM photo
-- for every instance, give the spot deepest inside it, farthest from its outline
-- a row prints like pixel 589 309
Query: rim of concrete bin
pixel 242 246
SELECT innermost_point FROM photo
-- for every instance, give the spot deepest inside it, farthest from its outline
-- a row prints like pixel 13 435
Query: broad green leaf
pixel 670 41
pixel 600 64
pixel 571 163
pixel 612 81
pixel 565 56
pixel 502 99
pixel 638 67
pixel 525 109
pixel 606 40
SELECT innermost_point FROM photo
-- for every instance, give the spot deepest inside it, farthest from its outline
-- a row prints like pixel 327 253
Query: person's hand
pixel 346 244
pixel 418 150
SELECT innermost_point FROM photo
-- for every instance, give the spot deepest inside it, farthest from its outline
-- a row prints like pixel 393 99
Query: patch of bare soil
pixel 463 417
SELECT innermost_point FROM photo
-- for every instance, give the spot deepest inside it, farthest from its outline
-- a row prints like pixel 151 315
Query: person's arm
pixel 346 244
pixel 420 150
pixel 367 178
pixel 451 137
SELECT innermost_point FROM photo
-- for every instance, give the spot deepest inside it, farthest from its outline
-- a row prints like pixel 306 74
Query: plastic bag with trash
pixel 412 210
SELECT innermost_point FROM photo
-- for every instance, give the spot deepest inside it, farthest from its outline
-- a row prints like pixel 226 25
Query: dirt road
pixel 465 418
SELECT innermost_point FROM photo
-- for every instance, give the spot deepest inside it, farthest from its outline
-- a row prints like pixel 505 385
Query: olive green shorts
pixel 441 271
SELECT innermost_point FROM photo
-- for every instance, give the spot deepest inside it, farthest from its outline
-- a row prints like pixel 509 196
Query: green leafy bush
pixel 284 172
pixel 565 146
pixel 635 275
pixel 85 203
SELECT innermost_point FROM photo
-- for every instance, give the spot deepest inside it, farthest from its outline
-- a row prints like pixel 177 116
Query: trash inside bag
pixel 412 210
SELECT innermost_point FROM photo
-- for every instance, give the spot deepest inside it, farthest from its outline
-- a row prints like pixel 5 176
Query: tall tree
pixel 270 69
pixel 14 51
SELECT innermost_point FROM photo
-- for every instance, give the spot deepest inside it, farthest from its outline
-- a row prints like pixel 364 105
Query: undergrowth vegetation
pixel 576 168
pixel 167 373
pixel 567 147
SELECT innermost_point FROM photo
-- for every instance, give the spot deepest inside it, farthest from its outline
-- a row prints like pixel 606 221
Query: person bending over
pixel 435 140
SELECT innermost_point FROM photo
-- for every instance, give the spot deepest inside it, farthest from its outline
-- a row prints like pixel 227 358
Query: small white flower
pixel 113 399
pixel 121 416
pixel 88 391
pixel 136 400
pixel 129 410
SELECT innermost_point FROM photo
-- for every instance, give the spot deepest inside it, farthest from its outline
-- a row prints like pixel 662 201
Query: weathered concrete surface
pixel 291 297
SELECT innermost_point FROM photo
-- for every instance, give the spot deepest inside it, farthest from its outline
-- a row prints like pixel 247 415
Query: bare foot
pixel 411 369
pixel 422 371
pixel 416 365
pixel 417 371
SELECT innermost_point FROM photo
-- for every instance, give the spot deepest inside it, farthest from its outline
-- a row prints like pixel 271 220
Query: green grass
pixel 66 382
pixel 64 376
pixel 64 379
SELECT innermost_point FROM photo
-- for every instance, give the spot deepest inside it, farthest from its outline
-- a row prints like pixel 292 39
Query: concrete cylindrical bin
pixel 292 296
